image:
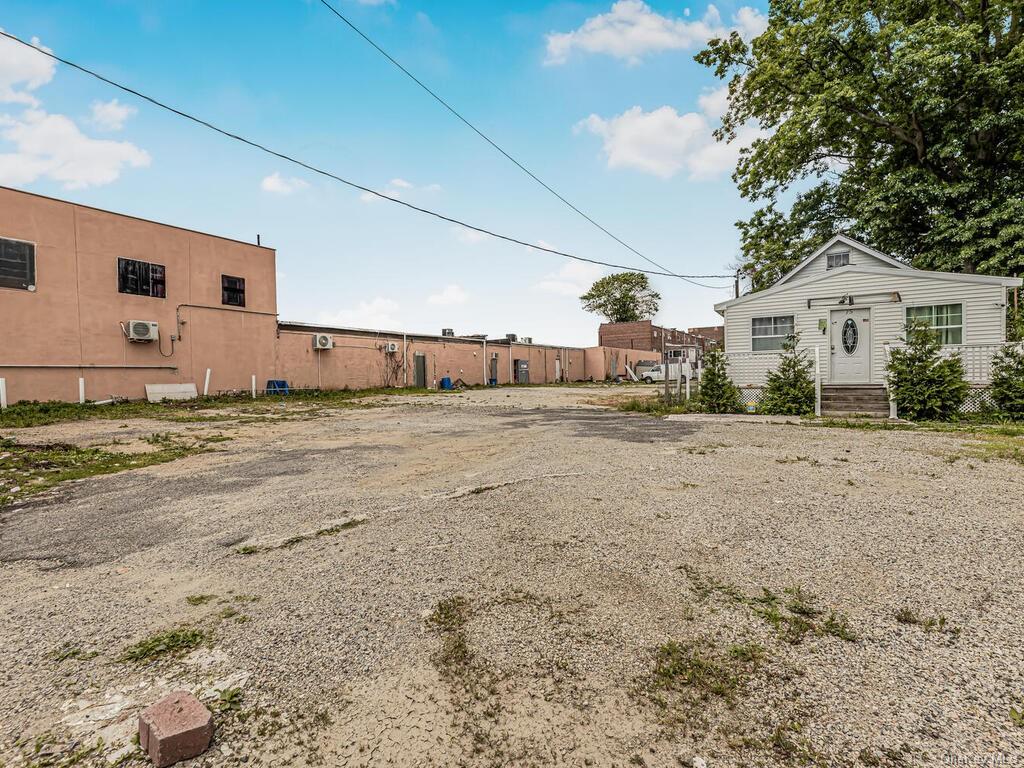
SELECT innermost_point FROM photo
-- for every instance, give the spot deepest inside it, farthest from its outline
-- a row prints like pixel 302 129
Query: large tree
pixel 622 298
pixel 900 122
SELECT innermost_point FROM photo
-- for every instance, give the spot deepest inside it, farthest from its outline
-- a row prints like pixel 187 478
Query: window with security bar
pixel 141 278
pixel 17 264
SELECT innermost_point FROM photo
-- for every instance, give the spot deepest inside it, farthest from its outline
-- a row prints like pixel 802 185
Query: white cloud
pixel 111 115
pixel 573 279
pixel 631 30
pixel 378 313
pixel 52 146
pixel 664 143
pixel 749 22
pixel 469 236
pixel 23 70
pixel 714 103
pixel 450 296
pixel 396 188
pixel 36 144
pixel 282 185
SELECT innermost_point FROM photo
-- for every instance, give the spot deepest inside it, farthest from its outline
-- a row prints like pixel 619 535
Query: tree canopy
pixel 899 122
pixel 622 298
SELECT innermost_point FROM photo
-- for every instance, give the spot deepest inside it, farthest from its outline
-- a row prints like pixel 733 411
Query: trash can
pixel 446 382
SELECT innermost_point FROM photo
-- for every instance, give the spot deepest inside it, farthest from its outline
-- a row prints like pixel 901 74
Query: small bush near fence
pixel 790 387
pixel 925 385
pixel 1008 381
pixel 717 392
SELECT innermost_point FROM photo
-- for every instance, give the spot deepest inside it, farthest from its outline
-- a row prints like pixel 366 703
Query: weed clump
pixel 172 642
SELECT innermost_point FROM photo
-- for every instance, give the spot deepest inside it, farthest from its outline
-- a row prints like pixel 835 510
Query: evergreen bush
pixel 1008 381
pixel 790 387
pixel 717 392
pixel 925 385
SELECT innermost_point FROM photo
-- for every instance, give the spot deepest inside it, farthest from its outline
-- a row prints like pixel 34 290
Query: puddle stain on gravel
pixel 610 425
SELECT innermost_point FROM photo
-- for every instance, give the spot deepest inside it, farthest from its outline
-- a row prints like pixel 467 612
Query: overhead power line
pixel 494 144
pixel 320 171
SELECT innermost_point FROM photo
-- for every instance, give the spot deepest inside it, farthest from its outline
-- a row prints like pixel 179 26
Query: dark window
pixel 141 278
pixel 232 291
pixel 17 264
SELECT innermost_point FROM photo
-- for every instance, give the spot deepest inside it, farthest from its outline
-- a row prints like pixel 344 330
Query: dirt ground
pixel 516 577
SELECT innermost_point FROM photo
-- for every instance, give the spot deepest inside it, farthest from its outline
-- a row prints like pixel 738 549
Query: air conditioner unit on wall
pixel 391 347
pixel 494 355
pixel 323 341
pixel 143 330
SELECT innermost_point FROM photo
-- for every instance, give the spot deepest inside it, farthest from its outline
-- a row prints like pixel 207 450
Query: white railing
pixel 893 414
pixel 750 369
pixel 977 359
pixel 817 380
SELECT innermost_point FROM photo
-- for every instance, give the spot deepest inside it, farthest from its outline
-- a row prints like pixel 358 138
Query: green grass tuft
pixel 173 642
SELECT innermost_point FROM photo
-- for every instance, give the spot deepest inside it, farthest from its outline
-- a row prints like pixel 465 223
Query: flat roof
pixel 289 325
pixel 135 218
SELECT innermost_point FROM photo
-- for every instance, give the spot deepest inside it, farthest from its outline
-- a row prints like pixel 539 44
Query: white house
pixel 849 304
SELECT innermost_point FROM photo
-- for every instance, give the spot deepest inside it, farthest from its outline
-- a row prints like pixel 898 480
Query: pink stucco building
pixel 120 302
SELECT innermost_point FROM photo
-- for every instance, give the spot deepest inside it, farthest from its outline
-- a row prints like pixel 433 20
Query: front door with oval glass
pixel 851 346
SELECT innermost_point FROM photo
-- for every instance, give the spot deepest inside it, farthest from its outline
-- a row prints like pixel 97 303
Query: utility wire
pixel 320 171
pixel 490 141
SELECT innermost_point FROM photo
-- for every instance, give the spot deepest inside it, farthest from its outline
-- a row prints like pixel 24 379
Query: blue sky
pixel 601 99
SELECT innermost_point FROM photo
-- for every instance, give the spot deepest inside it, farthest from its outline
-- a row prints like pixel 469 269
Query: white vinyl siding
pixel 769 334
pixel 947 320
pixel 856 258
pixel 983 310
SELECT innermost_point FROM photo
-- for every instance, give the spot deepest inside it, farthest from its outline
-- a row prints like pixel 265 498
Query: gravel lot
pixel 515 577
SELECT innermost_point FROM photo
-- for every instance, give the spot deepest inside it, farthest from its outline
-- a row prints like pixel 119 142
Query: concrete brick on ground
pixel 176 728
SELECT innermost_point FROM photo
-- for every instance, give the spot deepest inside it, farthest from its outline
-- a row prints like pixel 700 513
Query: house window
pixel 232 291
pixel 838 260
pixel 947 320
pixel 141 278
pixel 17 265
pixel 769 334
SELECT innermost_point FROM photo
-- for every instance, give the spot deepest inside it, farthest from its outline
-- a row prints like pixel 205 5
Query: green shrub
pixel 717 392
pixel 925 385
pixel 790 387
pixel 1008 381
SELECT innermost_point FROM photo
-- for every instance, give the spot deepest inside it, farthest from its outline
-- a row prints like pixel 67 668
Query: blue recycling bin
pixel 446 382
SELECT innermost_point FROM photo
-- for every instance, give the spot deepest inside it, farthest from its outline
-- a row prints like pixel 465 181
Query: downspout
pixel 485 382
pixel 405 360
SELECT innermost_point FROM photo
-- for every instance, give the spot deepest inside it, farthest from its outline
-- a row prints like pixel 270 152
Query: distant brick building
pixel 715 333
pixel 644 334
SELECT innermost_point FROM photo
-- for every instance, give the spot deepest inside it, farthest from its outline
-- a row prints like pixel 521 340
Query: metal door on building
pixel 522 371
pixel 493 375
pixel 421 370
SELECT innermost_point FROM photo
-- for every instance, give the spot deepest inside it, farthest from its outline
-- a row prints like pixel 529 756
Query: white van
pixel 657 373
